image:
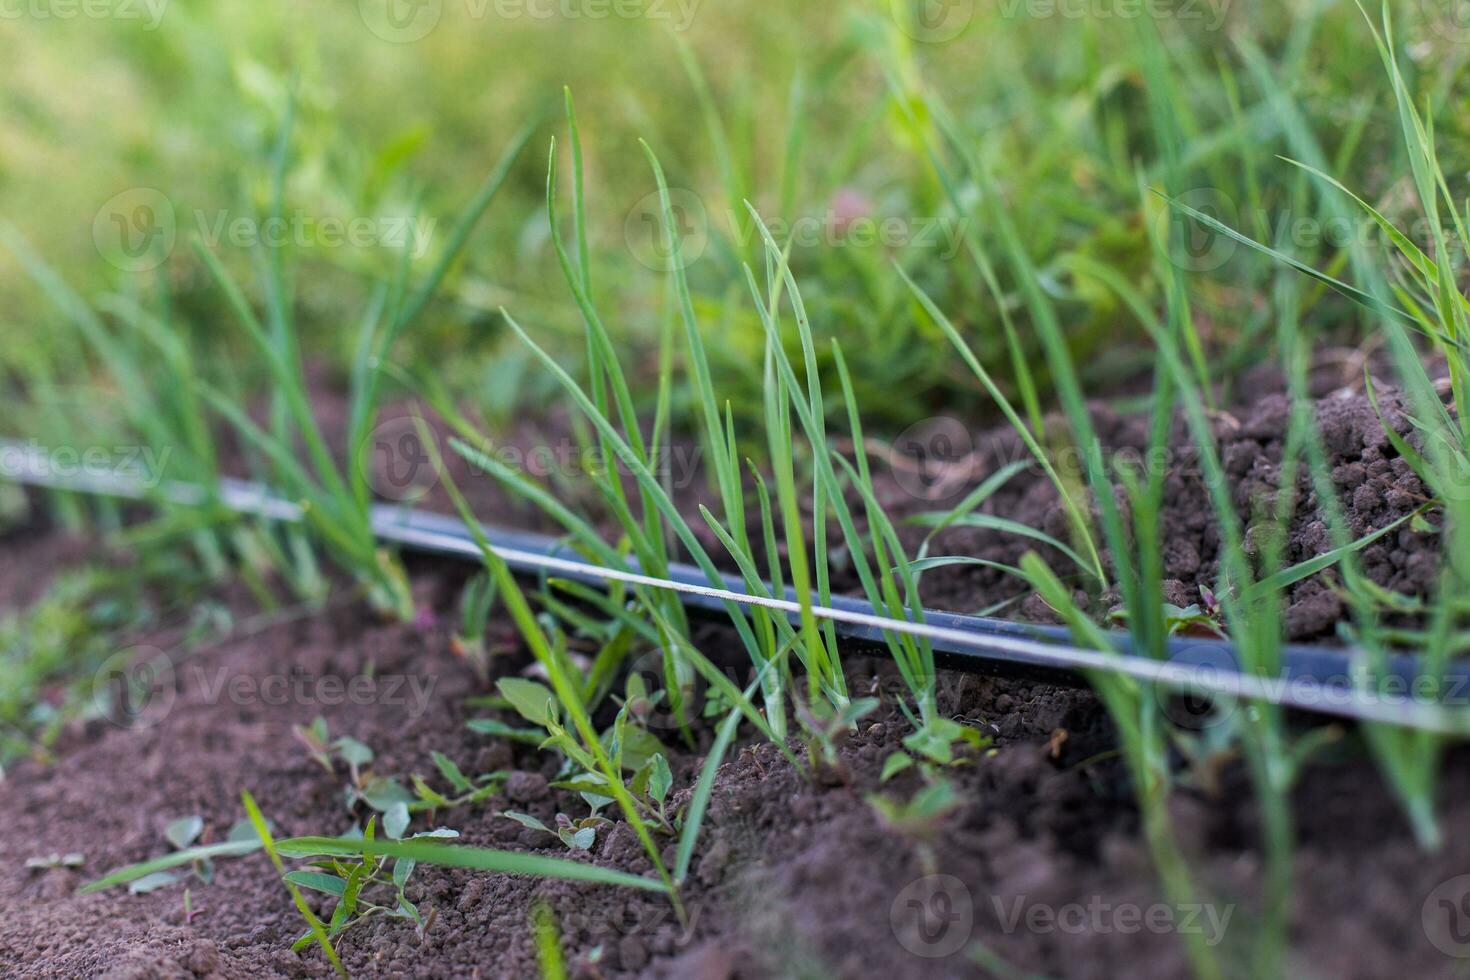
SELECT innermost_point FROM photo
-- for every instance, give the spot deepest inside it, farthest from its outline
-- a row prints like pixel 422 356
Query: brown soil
pixel 1375 489
pixel 794 876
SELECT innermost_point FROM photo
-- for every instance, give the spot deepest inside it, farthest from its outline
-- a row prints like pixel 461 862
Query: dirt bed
pixel 1375 488
pixel 1040 866
pixel 793 876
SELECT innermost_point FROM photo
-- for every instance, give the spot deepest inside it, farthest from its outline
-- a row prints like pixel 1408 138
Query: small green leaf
pixel 920 815
pixel 395 820
pixel 490 726
pixel 587 782
pixel 580 840
pixel 402 870
pixel 452 773
pixel 935 741
pixel 526 820
pixel 353 752
pixel 895 764
pixel 318 881
pixel 639 746
pixel 661 779
pixel 152 882
pixel 534 702
pixel 933 801
pixel 596 800
pixel 245 831
pixel 439 833
pixel 382 792
pixel 184 831
pixel 428 794
pixel 56 860
pixel 638 785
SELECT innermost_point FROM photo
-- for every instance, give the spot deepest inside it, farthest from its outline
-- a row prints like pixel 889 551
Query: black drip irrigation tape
pixel 1322 679
pixel 1335 681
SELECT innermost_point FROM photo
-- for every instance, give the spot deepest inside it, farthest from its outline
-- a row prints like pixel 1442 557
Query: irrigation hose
pixel 1321 680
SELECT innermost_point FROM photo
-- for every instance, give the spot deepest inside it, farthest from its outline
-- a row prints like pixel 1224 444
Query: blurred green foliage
pixel 812 110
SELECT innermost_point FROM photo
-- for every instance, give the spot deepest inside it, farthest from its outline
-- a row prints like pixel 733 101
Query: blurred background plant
pixel 811 110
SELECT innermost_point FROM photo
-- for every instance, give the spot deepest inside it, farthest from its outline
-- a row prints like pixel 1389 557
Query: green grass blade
pixel 263 831
pixel 1043 458
pixel 461 233
pixel 703 788
pixel 133 872
pixel 1306 569
pixel 474 858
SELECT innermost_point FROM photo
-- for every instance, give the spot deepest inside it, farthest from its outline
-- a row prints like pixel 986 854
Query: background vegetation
pixel 815 111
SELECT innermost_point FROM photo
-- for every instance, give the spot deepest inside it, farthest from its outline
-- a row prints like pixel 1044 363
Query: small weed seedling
pixel 632 747
pixel 826 728
pixel 374 885
pixel 577 835
pixel 46 862
pixel 385 794
pixel 1197 619
pixel 920 817
pixel 379 792
pixel 940 743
